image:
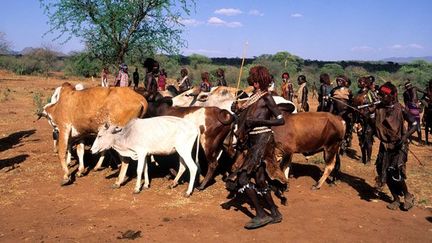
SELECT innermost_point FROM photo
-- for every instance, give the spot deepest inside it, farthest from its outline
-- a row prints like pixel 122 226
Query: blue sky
pixel 320 29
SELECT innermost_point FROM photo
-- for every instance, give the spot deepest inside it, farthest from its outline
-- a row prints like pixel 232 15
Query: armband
pixel 279 116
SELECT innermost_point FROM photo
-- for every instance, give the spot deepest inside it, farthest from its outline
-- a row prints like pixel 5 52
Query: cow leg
pixel 62 149
pixel 69 154
pixel 286 164
pixel 211 168
pixel 330 159
pixel 122 174
pixel 100 161
pixel 140 168
pixel 193 169
pixel 180 172
pixel 80 153
pixel 146 175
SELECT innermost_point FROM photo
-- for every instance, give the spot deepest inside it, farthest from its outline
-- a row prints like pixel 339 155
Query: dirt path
pixel 33 206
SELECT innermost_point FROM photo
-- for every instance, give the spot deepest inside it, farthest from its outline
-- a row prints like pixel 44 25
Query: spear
pixel 241 67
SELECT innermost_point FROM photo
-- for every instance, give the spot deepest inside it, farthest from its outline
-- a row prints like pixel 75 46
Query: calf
pixel 162 135
pixel 214 124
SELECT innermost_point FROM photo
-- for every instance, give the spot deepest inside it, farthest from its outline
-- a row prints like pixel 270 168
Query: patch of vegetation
pixel 37 101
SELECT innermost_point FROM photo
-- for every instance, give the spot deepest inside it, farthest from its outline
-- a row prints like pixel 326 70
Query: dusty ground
pixel 33 206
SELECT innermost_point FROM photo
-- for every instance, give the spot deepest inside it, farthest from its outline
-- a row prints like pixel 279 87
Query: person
pixel 162 80
pixel 427 99
pixel 302 94
pixel 122 79
pixel 104 77
pixel 411 102
pixel 205 85
pixel 366 97
pixel 220 74
pixel 287 87
pixel 257 137
pixel 184 83
pixel 150 82
pixel 272 85
pixel 341 97
pixel 135 77
pixel 393 148
pixel 324 93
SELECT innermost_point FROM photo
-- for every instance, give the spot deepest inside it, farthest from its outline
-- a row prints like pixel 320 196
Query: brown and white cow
pixel 214 124
pixel 80 113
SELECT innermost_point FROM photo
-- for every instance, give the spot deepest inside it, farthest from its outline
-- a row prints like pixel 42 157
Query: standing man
pixel 184 83
pixel 302 94
pixel 220 74
pixel 257 115
pixel 324 93
pixel 135 77
pixel 411 102
pixel 393 149
pixel 427 98
pixel 104 77
pixel 287 87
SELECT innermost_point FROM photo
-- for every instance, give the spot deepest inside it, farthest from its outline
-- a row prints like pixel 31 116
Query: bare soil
pixel 34 207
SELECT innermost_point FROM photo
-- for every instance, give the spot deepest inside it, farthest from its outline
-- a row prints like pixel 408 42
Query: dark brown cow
pixel 214 124
pixel 309 133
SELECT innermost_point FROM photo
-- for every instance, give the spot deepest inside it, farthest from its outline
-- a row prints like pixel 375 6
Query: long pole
pixel 241 67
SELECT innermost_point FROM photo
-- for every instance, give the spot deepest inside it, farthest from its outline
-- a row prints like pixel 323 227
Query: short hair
pixel 205 75
pixel 388 89
pixel 220 71
pixel 301 79
pixel 260 75
pixel 324 78
pixel 184 71
pixel 285 73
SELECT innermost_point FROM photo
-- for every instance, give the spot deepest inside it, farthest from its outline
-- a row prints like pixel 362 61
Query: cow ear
pixel 117 130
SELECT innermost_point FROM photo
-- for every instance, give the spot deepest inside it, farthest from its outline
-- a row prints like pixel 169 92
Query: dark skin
pixel 260 114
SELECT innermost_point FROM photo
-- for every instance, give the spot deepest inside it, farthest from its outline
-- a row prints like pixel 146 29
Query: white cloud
pixel 191 22
pixel 415 46
pixel 362 48
pixel 228 11
pixel 409 46
pixel 396 46
pixel 296 15
pixel 219 22
pixel 255 12
pixel 203 51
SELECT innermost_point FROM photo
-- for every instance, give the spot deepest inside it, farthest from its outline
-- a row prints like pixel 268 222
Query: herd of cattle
pixel 124 121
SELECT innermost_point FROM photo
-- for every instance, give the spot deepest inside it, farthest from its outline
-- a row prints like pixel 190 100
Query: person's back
pixel 136 78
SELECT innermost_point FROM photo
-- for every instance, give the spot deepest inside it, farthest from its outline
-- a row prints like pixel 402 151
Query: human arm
pixel 271 105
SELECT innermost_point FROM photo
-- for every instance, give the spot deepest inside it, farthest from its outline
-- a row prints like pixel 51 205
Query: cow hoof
pixel 315 187
pixel 146 187
pixel 172 186
pixel 136 191
pixel 200 188
pixel 99 168
pixel 115 186
pixel 187 195
pixel 66 182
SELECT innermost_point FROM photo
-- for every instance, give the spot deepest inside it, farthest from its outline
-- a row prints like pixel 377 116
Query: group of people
pixel 375 110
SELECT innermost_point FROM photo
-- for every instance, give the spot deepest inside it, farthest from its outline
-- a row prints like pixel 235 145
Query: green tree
pixel 196 59
pixel 112 28
pixel 332 69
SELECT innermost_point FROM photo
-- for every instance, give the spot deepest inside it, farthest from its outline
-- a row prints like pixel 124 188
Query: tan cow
pixel 80 113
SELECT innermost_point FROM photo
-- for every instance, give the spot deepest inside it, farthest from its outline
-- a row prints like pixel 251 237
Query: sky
pixel 328 30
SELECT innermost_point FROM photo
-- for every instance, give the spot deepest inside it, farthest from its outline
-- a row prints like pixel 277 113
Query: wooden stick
pixel 241 68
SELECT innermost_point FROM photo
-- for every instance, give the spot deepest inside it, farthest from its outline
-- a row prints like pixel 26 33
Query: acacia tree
pixel 4 44
pixel 112 28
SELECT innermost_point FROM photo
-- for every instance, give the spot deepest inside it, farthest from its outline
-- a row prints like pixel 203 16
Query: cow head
pixel 105 138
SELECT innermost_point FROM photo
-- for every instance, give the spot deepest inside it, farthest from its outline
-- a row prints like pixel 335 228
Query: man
pixel 150 82
pixel 393 149
pixel 287 87
pixel 341 97
pixel 427 99
pixel 135 77
pixel 411 102
pixel 220 74
pixel 366 97
pixel 184 82
pixel 302 94
pixel 324 93
pixel 257 138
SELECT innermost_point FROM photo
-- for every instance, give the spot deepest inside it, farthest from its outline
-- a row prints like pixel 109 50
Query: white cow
pixel 221 97
pixel 162 135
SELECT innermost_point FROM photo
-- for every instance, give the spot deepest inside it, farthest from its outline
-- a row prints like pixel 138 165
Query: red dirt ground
pixel 33 206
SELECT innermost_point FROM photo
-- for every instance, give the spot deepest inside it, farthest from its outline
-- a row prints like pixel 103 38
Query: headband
pixel 385 90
